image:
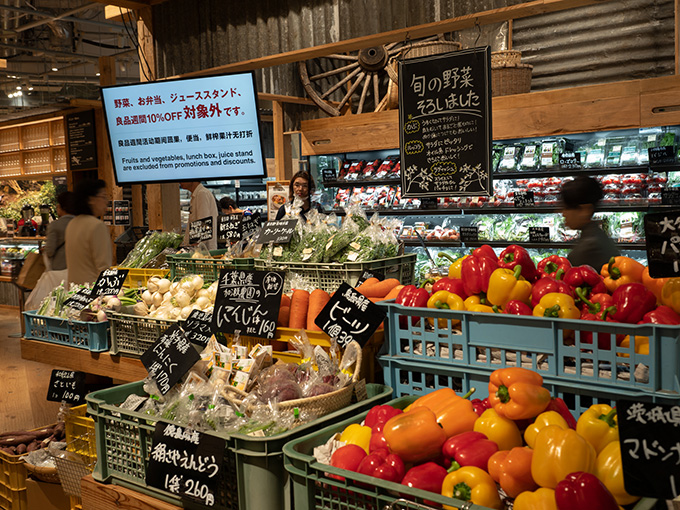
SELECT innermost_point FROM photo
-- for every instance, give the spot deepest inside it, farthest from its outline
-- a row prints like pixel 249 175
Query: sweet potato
pixel 21 449
pixel 16 440
pixel 15 433
pixel 34 445
pixel 43 433
pixel 59 431
pixel 8 450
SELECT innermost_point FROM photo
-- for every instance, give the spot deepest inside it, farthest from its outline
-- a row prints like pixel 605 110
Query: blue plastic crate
pixel 93 336
pixel 555 348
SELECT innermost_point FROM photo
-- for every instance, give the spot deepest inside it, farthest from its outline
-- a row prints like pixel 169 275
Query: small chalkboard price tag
pixel 469 234
pixel 250 223
pixel 277 231
pixel 539 234
pixel 201 230
pixel 67 386
pixel 570 161
pixel 185 462
pixel 661 155
pixel 196 327
pixel 350 316
pixel 670 197
pixel 80 299
pixel 109 283
pixel 169 358
pixel 329 175
pixel 229 227
pixel 248 301
pixel 524 198
pixel 662 236
pixel 648 434
pixel 373 273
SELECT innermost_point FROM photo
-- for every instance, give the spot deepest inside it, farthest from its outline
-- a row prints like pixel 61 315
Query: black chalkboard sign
pixel 539 234
pixel 372 273
pixel 329 174
pixel 186 462
pixel 248 301
pixel 197 327
pixel 350 316
pixel 661 155
pixel 169 358
pixel 109 283
pixel 250 223
pixel 445 124
pixel 201 230
pixel 670 197
pixel 81 140
pixel 80 299
pixel 570 161
pixel 67 386
pixel 469 234
pixel 662 236
pixel 523 198
pixel 649 448
pixel 277 231
pixel 229 227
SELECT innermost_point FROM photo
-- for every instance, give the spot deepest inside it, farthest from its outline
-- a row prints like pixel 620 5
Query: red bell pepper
pixel 546 285
pixel 515 255
pixel 559 406
pixel 469 449
pixel 550 265
pixel 484 251
pixel 453 285
pixel 593 309
pixel 475 273
pixel 661 315
pixel 413 296
pixel 428 477
pixel 378 416
pixel 631 302
pixel 516 307
pixel 347 457
pixel 583 491
pixel 384 465
pixel 585 278
pixel 481 405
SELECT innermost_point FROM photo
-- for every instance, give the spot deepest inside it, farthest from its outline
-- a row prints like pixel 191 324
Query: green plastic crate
pixel 132 335
pixel 209 268
pixel 254 477
pixel 329 276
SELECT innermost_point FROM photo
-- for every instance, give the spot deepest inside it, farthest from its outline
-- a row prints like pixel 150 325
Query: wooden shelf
pixel 101 496
pixel 72 358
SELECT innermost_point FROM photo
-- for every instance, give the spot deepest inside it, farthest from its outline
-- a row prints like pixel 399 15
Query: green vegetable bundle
pixel 149 247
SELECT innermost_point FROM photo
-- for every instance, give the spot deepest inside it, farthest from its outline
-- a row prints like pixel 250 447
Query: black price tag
pixel 80 299
pixel 670 197
pixel 229 227
pixel 67 386
pixel 524 198
pixel 539 234
pixel 186 462
pixel 109 283
pixel 662 237
pixel 250 223
pixel 373 273
pixel 329 175
pixel 169 358
pixel 201 230
pixel 197 327
pixel 649 448
pixel 469 234
pixel 428 203
pixel 350 316
pixel 661 155
pixel 570 161
pixel 277 232
pixel 248 301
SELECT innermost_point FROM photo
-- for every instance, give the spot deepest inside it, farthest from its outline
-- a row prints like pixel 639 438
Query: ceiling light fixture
pixel 18 87
pixel 55 68
pixel 30 88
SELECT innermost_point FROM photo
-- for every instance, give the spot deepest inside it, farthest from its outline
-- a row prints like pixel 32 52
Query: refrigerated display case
pixel 13 251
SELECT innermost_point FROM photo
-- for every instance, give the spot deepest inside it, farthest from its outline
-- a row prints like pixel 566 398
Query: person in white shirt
pixel 203 204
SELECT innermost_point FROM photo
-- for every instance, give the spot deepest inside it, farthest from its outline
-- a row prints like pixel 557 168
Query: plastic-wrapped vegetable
pixel 149 246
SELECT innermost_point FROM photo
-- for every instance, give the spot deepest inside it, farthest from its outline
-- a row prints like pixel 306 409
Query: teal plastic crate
pixel 555 348
pixel 329 276
pixel 93 336
pixel 254 477
pixel 209 268
pixel 313 488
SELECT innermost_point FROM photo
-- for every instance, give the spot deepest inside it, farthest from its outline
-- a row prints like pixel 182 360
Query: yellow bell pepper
pixel 540 499
pixel 483 309
pixel 500 430
pixel 507 285
pixel 472 301
pixel 358 435
pixel 556 304
pixel 542 421
pixel 454 268
pixel 445 300
pixel 609 469
pixel 599 426
pixel 670 294
pixel 558 452
pixel 641 345
pixel 470 483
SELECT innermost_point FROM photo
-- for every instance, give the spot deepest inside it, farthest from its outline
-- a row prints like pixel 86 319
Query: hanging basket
pixel 509 80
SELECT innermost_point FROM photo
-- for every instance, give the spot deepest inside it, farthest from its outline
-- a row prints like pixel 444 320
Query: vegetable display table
pixel 101 496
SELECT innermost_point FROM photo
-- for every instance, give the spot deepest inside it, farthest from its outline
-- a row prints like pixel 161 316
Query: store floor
pixel 23 384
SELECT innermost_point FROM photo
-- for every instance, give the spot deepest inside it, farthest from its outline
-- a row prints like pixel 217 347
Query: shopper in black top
pixel 301 186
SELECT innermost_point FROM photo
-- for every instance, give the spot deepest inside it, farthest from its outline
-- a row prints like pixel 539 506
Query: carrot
pixel 285 300
pixel 376 299
pixel 380 289
pixel 298 309
pixel 368 282
pixel 394 292
pixel 284 317
pixel 317 300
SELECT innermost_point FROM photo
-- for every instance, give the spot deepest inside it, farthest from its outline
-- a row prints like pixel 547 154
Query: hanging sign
pixel 229 227
pixel 67 386
pixel 277 231
pixel 248 301
pixel 201 230
pixel 81 140
pixel 523 198
pixel 196 327
pixel 169 358
pixel 662 237
pixel 445 124
pixel 109 283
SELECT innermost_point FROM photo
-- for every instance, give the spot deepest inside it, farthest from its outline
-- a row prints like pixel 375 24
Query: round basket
pixel 505 58
pixel 511 80
pixel 45 474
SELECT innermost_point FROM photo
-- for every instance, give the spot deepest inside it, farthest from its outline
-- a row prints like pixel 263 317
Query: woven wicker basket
pixel 505 58
pixel 46 474
pixel 511 80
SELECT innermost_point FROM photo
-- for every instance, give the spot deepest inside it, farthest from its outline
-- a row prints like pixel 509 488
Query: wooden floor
pixel 23 384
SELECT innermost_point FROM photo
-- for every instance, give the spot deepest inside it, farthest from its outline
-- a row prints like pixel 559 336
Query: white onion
pixel 203 302
pixel 197 282
pixel 157 298
pixel 167 297
pixel 140 309
pixel 152 284
pixel 184 313
pixel 147 297
pixel 164 285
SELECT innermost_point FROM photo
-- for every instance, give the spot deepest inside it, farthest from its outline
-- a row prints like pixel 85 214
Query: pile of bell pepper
pixel 510 283
pixel 520 439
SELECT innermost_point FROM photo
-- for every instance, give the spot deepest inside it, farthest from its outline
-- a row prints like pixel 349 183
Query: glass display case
pixel 13 251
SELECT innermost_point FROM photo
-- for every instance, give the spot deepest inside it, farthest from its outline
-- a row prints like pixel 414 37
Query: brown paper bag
pixel 30 273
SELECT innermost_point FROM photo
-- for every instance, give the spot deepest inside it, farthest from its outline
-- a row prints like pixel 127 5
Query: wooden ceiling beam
pixel 130 4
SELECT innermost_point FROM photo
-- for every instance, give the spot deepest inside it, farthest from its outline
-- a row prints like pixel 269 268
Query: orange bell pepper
pixel 641 345
pixel 512 470
pixel 670 294
pixel 655 285
pixel 414 435
pixel 540 499
pixel 500 430
pixel 517 393
pixel 621 270
pixel 559 452
pixel 454 413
